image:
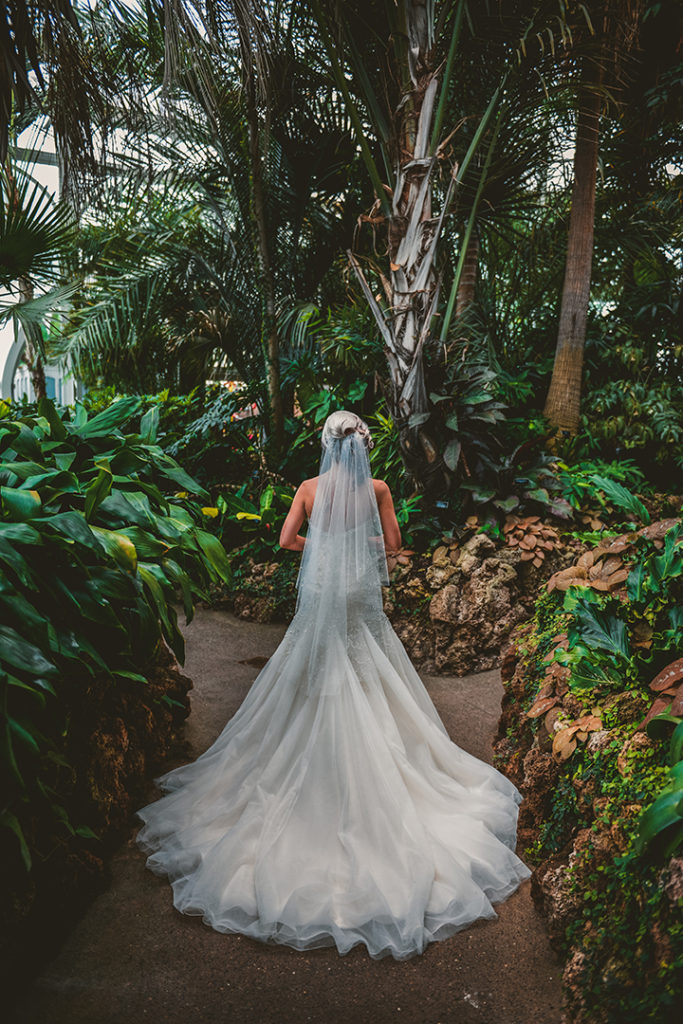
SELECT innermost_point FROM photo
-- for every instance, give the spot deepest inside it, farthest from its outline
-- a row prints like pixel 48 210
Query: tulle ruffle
pixel 333 809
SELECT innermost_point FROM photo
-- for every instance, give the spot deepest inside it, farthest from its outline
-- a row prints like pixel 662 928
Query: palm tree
pixel 182 242
pixel 36 233
pixel 428 122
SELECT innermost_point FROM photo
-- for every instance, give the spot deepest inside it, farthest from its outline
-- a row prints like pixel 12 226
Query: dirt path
pixel 134 958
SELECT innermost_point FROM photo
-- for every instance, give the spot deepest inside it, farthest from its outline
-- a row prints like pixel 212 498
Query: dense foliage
pixel 96 541
pixel 600 692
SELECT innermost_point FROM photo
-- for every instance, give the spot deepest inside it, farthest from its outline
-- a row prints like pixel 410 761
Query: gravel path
pixel 134 958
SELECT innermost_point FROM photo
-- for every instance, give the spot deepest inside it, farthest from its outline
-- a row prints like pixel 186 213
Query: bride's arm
pixel 289 534
pixel 387 515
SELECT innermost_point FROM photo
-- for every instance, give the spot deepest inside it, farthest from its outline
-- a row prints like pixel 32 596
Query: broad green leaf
pixel 24 734
pixel 15 561
pixel 118 546
pixel 20 533
pixel 20 504
pixel 181 579
pixel 46 408
pixel 22 469
pixel 676 749
pixel 667 810
pixel 149 425
pixel 599 629
pixel 72 525
pixel 26 443
pixel 621 497
pixel 97 491
pixel 18 652
pixel 146 545
pixel 451 456
pixel 135 676
pixel 109 419
pixel 172 471
pixel 215 554
pixel 118 505
pixel 10 821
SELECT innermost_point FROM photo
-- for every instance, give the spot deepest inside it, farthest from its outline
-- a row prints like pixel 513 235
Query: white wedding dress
pixel 333 809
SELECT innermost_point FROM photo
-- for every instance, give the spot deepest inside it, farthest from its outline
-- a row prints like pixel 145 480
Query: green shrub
pixel 96 542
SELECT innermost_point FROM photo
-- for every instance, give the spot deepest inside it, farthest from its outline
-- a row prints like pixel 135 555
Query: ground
pixel 134 958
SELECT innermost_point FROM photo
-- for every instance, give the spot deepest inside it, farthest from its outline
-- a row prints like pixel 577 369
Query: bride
pixel 333 809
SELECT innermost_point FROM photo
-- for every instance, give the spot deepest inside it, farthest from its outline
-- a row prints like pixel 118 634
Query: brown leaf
pixel 619 544
pixel 586 559
pixel 566 584
pixel 617 578
pixel 540 706
pixel 564 743
pixel 538 561
pixel 550 719
pixel 659 705
pixel 610 565
pixel 658 529
pixel 589 723
pixel 671 674
pixel 527 555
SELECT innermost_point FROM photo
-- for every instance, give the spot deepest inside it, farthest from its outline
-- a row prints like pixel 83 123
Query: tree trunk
pixel 31 349
pixel 562 406
pixel 468 278
pixel 269 335
pixel 412 282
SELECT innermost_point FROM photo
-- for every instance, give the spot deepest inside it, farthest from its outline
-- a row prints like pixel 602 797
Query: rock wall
pixel 453 610
pixel 612 916
pixel 455 613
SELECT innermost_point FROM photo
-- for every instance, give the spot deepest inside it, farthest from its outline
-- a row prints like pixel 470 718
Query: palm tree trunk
pixel 468 279
pixel 32 354
pixel 270 339
pixel 562 406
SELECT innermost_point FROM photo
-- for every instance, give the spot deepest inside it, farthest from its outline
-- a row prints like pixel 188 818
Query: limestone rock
pixel 673 880
pixel 598 740
pixel 439 575
pixel 440 556
pixel 443 607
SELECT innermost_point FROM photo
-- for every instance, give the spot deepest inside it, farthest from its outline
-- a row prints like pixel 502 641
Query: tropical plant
pixel 36 233
pixel 661 823
pixel 257 520
pixel 95 547
pixel 403 94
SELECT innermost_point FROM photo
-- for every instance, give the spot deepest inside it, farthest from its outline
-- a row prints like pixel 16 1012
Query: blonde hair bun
pixel 342 424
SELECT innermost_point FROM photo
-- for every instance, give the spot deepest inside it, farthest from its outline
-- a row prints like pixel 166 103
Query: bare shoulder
pixel 309 485
pixel 382 491
pixel 306 493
